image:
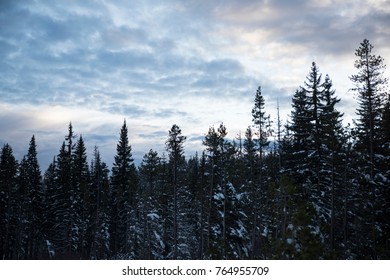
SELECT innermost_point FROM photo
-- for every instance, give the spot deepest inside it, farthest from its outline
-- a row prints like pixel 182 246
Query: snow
pixel 265 232
pixel 50 249
pixel 153 216
pixel 243 214
pixel 240 231
pixel 219 196
pixel 379 156
pixel 382 177
pixel 159 239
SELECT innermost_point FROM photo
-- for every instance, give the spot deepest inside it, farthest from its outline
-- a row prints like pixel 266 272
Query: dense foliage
pixel 312 189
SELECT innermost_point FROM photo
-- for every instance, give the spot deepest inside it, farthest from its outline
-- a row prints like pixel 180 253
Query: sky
pixel 158 63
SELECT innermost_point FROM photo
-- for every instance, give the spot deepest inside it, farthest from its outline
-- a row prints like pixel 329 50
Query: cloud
pixel 326 27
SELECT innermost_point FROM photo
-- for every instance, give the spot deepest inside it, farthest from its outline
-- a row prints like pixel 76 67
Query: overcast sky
pixel 158 63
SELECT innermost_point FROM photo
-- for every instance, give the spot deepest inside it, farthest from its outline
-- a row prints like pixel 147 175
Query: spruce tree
pixel 297 139
pixel 50 204
pixel 123 195
pixel 332 152
pixel 30 179
pixel 63 198
pixel 98 209
pixel 79 195
pixel 62 227
pixel 9 219
pixel 311 138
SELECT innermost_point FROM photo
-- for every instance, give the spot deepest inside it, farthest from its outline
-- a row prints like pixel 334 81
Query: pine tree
pixel 165 206
pixel 259 193
pixel 174 146
pixel 314 91
pixel 311 155
pixel 79 197
pixel 250 154
pixel 370 87
pixel 216 222
pixel 332 157
pixel 62 227
pixel 9 204
pixel 323 147
pixel 30 179
pixel 386 126
pixel 98 210
pixel 123 194
pixel 50 202
pixel 297 139
pixel 62 199
pixel 149 195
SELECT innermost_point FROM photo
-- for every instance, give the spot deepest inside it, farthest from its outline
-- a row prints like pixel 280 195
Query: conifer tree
pixel 62 227
pixel 149 198
pixel 175 148
pixel 63 201
pixel 262 124
pixel 310 151
pixel 332 151
pixel 98 210
pixel 31 181
pixel 216 218
pixel 370 85
pixel 123 194
pixel 250 154
pixel 8 203
pixel 50 202
pixel 79 195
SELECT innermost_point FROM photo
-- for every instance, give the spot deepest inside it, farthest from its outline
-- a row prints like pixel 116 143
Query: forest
pixel 311 188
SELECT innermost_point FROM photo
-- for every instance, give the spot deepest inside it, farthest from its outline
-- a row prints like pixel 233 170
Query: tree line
pixel 319 190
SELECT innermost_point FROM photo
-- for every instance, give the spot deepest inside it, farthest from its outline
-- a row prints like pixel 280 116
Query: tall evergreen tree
pixel 250 154
pixel 9 204
pixel 98 209
pixel 123 194
pixel 50 203
pixel 216 223
pixel 62 227
pixel 333 155
pixel 150 194
pixel 370 85
pixel 297 138
pixel 262 124
pixel 79 197
pixel 175 148
pixel 63 196
pixel 31 181
pixel 312 153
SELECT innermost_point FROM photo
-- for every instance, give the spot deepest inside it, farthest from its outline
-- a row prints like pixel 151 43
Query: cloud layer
pixel 194 63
